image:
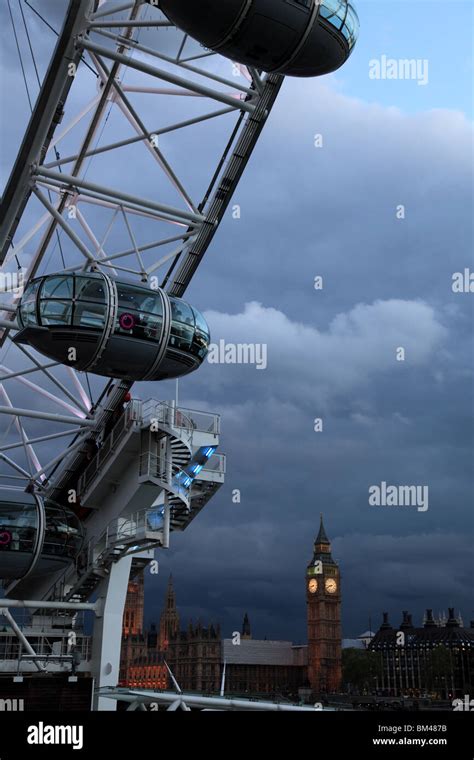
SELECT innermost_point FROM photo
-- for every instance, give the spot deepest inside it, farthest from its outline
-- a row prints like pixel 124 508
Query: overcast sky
pixel 332 211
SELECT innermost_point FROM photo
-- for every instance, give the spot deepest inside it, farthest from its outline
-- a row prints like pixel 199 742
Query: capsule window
pixel 200 344
pixel 140 313
pixel 57 287
pixel 352 26
pixel 28 314
pixel 181 336
pixel 346 33
pixel 334 11
pixel 89 315
pixel 27 311
pixel 63 534
pixel 138 324
pixel 89 289
pixel 182 325
pixel 56 312
pixel 201 336
pixel 182 312
pixel 139 299
pixel 30 293
pixel 152 327
pixel 18 526
pixel 201 323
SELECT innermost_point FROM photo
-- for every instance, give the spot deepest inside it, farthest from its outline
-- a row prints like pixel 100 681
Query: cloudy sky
pixel 331 211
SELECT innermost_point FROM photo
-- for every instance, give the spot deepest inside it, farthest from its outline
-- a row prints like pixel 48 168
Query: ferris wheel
pixel 143 126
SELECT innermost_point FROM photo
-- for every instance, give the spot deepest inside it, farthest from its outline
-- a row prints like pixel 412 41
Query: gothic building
pixel 246 632
pixel 323 596
pixel 134 607
pixel 141 660
pixel 194 657
pixel 198 656
pixel 169 620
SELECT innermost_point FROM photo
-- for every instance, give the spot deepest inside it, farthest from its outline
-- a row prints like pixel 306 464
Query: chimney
pixel 429 621
pixel 406 622
pixel 452 622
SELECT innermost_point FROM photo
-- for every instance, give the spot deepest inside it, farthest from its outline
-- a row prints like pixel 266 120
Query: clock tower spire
pixel 323 596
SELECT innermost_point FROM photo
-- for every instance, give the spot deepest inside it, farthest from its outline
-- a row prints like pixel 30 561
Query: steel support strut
pixel 46 115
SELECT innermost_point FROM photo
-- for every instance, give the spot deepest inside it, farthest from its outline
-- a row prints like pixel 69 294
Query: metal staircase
pixel 133 536
pixel 175 471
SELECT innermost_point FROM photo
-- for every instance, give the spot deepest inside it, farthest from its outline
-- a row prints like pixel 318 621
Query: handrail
pixel 219 460
pixel 131 414
pixel 149 463
pixel 159 467
pixel 140 411
pixel 192 419
pixel 10 648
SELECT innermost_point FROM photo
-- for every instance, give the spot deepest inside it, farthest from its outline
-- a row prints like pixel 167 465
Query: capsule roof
pixel 291 37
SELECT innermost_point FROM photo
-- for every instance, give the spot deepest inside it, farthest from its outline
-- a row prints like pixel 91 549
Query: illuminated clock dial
pixel 313 586
pixel 331 586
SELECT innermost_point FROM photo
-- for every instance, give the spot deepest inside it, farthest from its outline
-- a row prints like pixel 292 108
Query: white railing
pixel 204 422
pixel 217 464
pixel 145 413
pixel 157 466
pixel 135 526
pixel 188 419
pixel 161 468
pixel 44 645
pixel 131 414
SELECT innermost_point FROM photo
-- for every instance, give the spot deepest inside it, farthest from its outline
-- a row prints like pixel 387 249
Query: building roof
pixel 257 652
pixel 353 644
pixel 321 538
pixel 322 548
pixel 448 634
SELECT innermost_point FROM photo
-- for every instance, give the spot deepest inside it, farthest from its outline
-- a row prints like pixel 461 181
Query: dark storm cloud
pixel 264 575
pixel 331 211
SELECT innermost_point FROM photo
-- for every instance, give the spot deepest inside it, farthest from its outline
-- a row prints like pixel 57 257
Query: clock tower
pixel 323 596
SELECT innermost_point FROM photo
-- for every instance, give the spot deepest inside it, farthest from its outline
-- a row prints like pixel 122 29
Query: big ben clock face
pixel 331 586
pixel 313 586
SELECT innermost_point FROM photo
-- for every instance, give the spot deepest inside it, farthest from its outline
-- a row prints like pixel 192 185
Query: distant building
pixel 197 656
pixel 141 661
pixel 169 620
pixel 194 657
pixel 437 657
pixel 361 642
pixel 256 666
pixel 246 632
pixel 134 607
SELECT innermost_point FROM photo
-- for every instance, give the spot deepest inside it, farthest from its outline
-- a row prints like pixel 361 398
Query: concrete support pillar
pixel 107 637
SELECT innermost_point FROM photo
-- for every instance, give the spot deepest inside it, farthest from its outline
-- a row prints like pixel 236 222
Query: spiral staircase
pixel 152 474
